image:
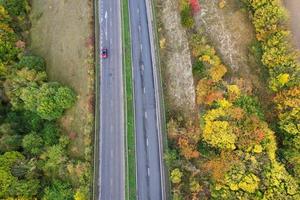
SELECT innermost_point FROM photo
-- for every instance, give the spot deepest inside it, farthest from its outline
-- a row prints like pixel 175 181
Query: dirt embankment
pixel 293 6
pixel 231 33
pixel 176 60
pixel 62 34
pixel 229 29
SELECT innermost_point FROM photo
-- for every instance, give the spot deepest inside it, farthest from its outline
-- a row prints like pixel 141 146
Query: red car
pixel 104 53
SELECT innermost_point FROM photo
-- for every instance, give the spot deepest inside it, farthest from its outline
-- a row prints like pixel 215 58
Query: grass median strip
pixel 129 112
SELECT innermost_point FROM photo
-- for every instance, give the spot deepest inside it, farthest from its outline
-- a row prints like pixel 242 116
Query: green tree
pixel 25 121
pixel 53 99
pixel 8 49
pixel 11 185
pixel 54 161
pixel 32 143
pixel 58 190
pixel 9 140
pixel 50 134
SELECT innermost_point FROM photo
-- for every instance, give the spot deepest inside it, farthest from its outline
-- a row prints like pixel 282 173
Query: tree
pixel 25 121
pixel 32 143
pixel 80 195
pixel 8 49
pixel 58 190
pixel 21 81
pixel 9 140
pixel 50 134
pixel 217 72
pixel 27 90
pixel 250 105
pixel 52 100
pixel 10 143
pixel 54 161
pixel 288 107
pixel 176 175
pixel 218 133
pixel 11 185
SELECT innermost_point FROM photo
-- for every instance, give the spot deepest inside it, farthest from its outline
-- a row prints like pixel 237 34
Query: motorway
pixel 150 173
pixel 111 181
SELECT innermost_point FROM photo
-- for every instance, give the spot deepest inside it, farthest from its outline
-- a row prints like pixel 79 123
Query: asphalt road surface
pixel 112 161
pixel 148 152
pixel 293 6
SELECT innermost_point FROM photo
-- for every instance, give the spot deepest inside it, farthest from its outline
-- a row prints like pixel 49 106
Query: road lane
pixel 148 152
pixel 112 160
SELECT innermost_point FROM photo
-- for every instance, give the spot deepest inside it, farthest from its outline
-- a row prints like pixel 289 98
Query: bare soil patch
pixel 231 33
pixel 176 61
pixel 62 33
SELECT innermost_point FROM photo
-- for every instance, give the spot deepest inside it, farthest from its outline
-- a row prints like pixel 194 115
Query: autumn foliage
pixel 269 19
pixel 195 5
pixel 232 152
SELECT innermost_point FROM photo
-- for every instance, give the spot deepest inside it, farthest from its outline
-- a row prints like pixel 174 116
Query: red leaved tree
pixel 195 5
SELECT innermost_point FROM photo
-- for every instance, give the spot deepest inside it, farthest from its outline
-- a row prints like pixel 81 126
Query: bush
pixel 187 19
pixel 199 69
pixel 256 50
pixel 16 8
pixel 8 49
pixel 250 105
pixel 282 61
pixel 58 190
pixel 32 62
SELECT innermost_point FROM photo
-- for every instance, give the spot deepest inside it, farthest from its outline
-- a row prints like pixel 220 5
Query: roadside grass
pixel 129 111
pixel 67 51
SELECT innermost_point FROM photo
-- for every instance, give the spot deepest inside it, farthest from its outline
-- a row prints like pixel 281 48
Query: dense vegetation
pixel 229 151
pixel 278 56
pixel 33 149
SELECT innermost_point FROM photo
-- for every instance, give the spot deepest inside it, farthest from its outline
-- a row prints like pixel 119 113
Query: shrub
pixel 217 72
pixel 176 175
pixel 16 8
pixel 250 105
pixel 8 49
pixel 199 69
pixel 187 19
pixel 58 190
pixel 32 62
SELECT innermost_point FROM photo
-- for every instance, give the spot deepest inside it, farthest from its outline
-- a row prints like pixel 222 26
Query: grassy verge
pixel 95 166
pixel 129 112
